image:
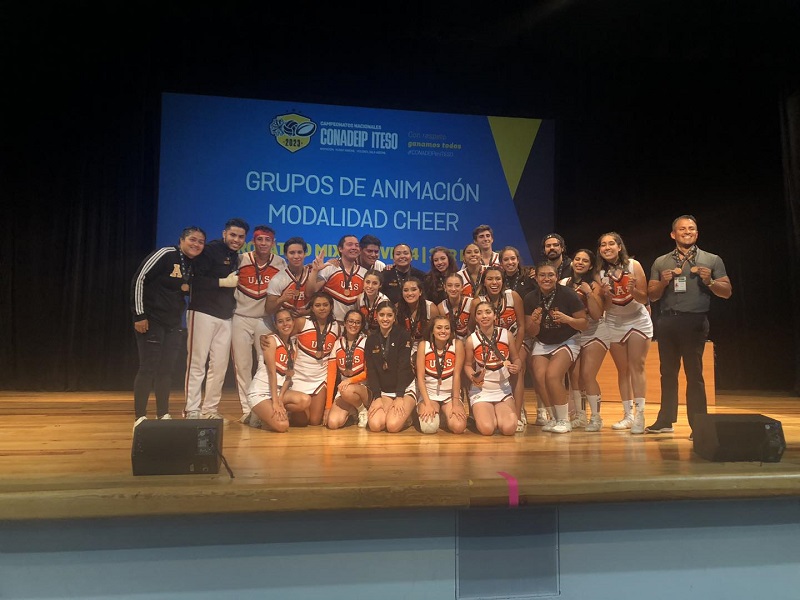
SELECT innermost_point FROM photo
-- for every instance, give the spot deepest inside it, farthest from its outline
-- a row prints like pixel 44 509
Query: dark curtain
pixel 790 135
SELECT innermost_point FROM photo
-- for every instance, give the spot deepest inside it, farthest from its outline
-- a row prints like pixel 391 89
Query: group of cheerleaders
pixel 456 346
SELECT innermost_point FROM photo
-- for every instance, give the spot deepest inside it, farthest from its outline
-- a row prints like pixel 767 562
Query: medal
pixel 506 363
pixel 348 372
pixel 693 269
pixel 678 271
pixel 185 287
pixel 385 366
pixel 347 292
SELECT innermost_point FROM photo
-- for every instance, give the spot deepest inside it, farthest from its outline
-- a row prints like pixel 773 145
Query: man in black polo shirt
pixel 683 281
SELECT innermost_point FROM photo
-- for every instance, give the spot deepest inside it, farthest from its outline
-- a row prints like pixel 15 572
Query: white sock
pixel 627 407
pixel 561 411
pixel 639 403
pixel 594 404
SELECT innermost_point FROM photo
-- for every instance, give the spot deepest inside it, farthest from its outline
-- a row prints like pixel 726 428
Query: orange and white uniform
pixel 259 386
pixel 314 348
pixel 439 385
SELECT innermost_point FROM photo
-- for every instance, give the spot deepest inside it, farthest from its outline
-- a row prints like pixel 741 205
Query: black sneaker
pixel 659 428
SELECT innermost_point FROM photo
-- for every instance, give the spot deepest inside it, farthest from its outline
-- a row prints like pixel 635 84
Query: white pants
pixel 209 339
pixel 245 339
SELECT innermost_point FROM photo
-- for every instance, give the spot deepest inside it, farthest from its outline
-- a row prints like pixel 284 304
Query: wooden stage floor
pixel 68 455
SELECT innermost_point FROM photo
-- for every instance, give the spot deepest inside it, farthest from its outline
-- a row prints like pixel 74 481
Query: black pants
pixel 682 337
pixel 158 349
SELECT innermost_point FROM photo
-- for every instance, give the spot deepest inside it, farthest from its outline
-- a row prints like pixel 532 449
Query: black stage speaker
pixel 738 438
pixel 177 447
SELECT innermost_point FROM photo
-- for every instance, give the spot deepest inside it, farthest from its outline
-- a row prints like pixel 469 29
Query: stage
pixel 68 456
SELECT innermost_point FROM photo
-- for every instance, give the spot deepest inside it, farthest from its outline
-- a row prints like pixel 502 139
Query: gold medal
pixel 677 271
pixel 320 354
pixel 347 292
pixel 385 366
pixel 185 287
pixel 506 363
pixel 348 372
pixel 693 269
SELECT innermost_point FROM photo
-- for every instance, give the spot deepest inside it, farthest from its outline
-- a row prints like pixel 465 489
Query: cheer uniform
pixel 439 371
pixel 470 285
pixel 258 391
pixel 368 309
pixel 414 326
pixel 489 355
pixel 459 316
pixel 313 352
pixel 348 360
pixel 504 310
pixel 625 316
pixel 249 320
pixel 593 333
pixel 283 280
pixel 344 286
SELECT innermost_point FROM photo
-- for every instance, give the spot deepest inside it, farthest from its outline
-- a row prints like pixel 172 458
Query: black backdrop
pixel 661 108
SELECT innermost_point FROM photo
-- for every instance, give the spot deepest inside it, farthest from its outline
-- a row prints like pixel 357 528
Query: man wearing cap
pixel 684 281
pixel 250 321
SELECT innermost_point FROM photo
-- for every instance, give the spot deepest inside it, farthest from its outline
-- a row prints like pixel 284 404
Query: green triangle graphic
pixel 514 139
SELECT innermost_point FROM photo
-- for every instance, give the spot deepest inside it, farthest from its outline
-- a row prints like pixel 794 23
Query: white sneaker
pixel 595 423
pixel 254 421
pixel 363 418
pixel 245 418
pixel 193 414
pixel 139 420
pixel 579 420
pixel 562 426
pixel 212 415
pixel 548 426
pixel 523 416
pixel 542 417
pixel 625 423
pixel 166 417
pixel 638 423
pixel 520 426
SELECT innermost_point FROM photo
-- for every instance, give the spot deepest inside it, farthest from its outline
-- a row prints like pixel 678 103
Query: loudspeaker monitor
pixel 742 437
pixel 177 447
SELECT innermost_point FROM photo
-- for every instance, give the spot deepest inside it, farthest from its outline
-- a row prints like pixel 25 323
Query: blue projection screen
pixel 322 171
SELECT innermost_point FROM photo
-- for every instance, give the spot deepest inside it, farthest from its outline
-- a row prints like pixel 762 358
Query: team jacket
pixel 156 292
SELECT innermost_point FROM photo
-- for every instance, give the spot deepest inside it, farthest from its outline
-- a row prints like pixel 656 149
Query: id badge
pixel 680 284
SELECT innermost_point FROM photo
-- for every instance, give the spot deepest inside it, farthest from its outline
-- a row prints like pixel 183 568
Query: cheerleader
pixel 315 336
pixel 510 314
pixel 350 396
pixel 555 317
pixel 370 298
pixel 389 375
pixel 472 271
pixel 414 311
pixel 593 342
pixel 442 265
pixel 457 307
pixel 490 359
pixel 627 320
pixel 516 277
pixel 440 361
pixel 270 396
